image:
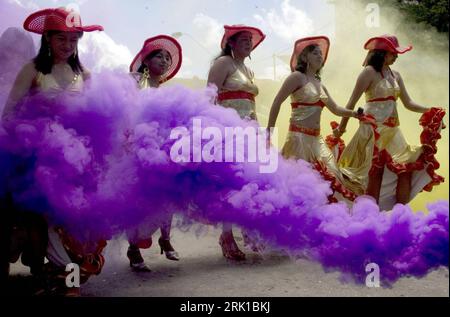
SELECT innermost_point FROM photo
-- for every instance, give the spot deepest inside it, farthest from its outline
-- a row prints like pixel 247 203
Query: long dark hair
pixel 149 56
pixel 376 59
pixel 44 63
pixel 227 51
pixel 302 66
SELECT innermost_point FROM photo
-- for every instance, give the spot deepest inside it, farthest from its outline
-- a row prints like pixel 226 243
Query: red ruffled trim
pixel 431 122
pixel 335 184
pixel 87 255
pixel 332 141
pixel 144 243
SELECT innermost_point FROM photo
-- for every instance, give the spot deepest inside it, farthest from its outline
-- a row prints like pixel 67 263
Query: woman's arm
pixel 406 99
pixel 362 84
pixel 290 84
pixel 20 88
pixel 339 111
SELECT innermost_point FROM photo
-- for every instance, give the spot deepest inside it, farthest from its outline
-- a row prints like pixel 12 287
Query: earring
pixel 146 74
pixel 49 52
pixel 75 53
pixel 232 54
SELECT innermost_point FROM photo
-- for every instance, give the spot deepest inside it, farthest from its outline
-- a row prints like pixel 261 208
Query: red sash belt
pixel 308 131
pixel 383 99
pixel 227 95
pixel 319 103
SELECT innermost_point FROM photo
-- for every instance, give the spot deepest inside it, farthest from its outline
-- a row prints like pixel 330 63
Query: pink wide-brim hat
pixel 57 20
pixel 160 42
pixel 257 35
pixel 387 43
pixel 321 41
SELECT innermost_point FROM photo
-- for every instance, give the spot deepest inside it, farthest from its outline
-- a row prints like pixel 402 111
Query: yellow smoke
pixel 424 70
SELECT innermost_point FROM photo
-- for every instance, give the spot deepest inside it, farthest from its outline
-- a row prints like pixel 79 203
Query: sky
pixel 128 23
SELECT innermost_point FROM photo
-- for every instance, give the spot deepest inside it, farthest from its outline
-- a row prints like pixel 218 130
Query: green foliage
pixel 432 12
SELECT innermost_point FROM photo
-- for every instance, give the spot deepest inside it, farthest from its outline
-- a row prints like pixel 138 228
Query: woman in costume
pixel 55 70
pixel 308 98
pixel 158 61
pixel 378 156
pixel 236 90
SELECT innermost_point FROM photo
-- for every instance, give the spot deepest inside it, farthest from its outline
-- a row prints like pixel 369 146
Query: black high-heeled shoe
pixel 168 249
pixel 136 260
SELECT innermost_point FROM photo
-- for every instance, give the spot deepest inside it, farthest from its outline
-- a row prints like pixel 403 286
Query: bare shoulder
pixel 86 74
pixel 223 61
pixel 26 75
pixel 298 77
pixel 28 70
pixel 396 74
pixel 294 81
pixel 369 71
pixel 220 68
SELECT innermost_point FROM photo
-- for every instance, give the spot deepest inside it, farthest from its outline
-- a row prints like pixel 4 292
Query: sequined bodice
pixel 383 89
pixel 48 84
pixel 308 94
pixel 381 102
pixel 238 81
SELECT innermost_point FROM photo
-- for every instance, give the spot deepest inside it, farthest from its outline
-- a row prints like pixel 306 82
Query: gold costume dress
pixel 239 92
pixel 64 249
pixel 307 143
pixel 379 143
pixel 141 234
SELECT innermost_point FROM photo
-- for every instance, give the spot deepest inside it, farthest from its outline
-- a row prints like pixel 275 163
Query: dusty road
pixel 203 271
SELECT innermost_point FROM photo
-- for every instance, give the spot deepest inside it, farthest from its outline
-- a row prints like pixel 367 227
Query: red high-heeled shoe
pixel 230 249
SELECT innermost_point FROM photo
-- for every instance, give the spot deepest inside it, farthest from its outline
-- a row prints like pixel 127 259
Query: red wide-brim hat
pixel 257 35
pixel 322 41
pixel 387 43
pixel 57 20
pixel 160 42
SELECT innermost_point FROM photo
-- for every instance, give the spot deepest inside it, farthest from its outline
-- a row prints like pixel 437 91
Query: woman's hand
pixel 338 133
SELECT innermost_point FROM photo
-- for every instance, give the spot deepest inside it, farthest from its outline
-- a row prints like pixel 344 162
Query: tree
pixel 432 12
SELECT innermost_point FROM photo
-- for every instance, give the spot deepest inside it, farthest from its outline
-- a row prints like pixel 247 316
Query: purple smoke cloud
pixel 100 161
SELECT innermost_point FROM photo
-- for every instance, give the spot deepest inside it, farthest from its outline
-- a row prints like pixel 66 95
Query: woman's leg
pixel 134 253
pixel 229 246
pixel 375 180
pixel 165 228
pixel 404 188
pixel 36 248
pixel 164 240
